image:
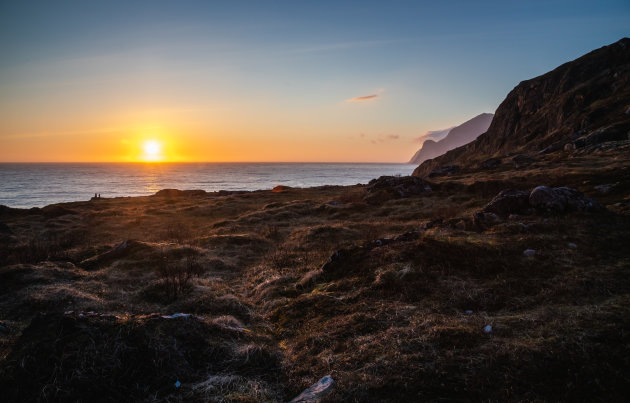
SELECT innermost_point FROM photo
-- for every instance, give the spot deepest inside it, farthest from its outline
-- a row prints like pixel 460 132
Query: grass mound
pixel 58 357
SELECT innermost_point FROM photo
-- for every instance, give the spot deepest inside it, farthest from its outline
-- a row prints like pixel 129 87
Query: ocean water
pixel 38 184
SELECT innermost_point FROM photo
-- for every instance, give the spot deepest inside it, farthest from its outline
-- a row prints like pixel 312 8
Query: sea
pixel 28 185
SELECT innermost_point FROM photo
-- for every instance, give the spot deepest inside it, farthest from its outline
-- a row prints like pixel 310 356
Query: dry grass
pixel 390 317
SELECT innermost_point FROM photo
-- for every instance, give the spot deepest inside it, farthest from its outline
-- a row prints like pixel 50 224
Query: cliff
pixel 576 107
pixel 458 136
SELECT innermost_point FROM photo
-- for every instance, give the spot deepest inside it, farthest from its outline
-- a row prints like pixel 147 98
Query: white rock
pixel 487 329
pixel 316 391
pixel 529 252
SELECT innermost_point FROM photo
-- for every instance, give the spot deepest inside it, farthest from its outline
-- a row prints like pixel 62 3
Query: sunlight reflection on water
pixel 29 185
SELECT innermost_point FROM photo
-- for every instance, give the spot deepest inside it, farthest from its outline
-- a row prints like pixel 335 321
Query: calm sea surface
pixel 37 185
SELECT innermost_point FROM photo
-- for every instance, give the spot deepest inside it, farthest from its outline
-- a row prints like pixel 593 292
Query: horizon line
pixel 206 162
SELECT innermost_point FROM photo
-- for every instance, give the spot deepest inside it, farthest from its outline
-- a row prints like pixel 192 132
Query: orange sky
pixel 288 81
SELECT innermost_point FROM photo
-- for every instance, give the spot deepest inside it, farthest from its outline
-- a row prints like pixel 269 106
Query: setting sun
pixel 152 151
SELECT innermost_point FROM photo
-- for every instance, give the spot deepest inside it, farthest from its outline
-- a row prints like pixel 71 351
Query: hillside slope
pixel 579 107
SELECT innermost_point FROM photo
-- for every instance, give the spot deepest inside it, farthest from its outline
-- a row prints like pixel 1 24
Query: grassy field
pixel 399 299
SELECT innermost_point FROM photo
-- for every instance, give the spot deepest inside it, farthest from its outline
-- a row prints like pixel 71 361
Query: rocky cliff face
pixel 578 107
pixel 457 136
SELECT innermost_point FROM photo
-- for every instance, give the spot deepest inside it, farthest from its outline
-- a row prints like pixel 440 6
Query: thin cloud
pixel 434 135
pixel 382 138
pixel 328 47
pixel 363 98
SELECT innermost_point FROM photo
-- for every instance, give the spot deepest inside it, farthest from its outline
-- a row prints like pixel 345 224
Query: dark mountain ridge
pixel 576 108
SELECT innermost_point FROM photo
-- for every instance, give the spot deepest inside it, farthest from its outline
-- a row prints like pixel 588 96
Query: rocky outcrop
pixel 508 202
pixel 560 200
pixel 458 136
pixel 582 102
pixel 541 200
pixel 170 193
pixel 390 187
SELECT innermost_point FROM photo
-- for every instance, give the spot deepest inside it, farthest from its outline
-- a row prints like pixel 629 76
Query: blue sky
pixel 238 78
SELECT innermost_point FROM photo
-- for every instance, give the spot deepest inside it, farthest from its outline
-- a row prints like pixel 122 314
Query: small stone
pixel 178 384
pixel 469 312
pixel 529 252
pixel 487 329
pixel 316 391
pixel 572 245
pixel 605 188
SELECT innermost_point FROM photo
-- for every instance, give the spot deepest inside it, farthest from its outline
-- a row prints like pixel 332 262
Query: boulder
pixel 509 201
pixel 388 187
pixel 490 163
pixel 485 220
pixel 521 161
pixel 280 189
pixel 560 200
pixel 446 170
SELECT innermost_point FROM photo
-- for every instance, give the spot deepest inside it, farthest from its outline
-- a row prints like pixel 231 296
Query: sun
pixel 152 150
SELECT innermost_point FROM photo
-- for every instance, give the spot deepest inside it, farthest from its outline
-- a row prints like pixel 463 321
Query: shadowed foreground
pixel 394 290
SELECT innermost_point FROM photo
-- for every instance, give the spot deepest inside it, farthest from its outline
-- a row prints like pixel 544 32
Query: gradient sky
pixel 271 80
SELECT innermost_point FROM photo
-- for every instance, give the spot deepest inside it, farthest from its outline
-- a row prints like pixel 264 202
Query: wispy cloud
pixel 327 47
pixel 434 135
pixel 382 138
pixel 363 98
pixel 29 135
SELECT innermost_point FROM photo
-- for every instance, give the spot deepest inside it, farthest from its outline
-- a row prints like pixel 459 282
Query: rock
pixel 446 170
pixel 614 132
pixel 521 161
pixel 433 223
pixel 388 187
pixel 605 188
pixel 487 329
pixel 170 193
pixel 176 315
pixel 490 163
pixel 560 200
pixel 529 252
pixel 280 188
pixel 544 198
pixel 507 202
pixel 572 245
pixel 485 220
pixel 316 391
pixel 120 251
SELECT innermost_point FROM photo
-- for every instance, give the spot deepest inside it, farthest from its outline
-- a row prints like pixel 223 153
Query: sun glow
pixel 152 151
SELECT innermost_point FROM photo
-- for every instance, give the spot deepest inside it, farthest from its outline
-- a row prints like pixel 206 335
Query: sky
pixel 316 81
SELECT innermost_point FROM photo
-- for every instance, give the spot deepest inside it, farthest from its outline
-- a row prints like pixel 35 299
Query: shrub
pixel 176 276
